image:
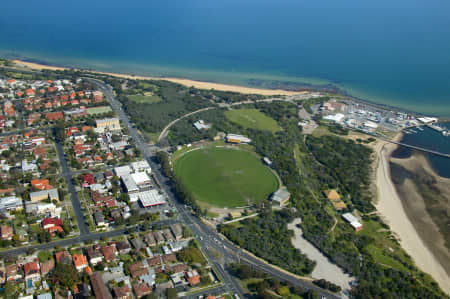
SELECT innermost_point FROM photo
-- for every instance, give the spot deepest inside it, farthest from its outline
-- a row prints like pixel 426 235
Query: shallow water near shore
pixel 393 53
pixel 429 139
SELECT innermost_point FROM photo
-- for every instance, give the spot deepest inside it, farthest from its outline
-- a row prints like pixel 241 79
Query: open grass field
pixel 225 177
pixel 252 118
pixel 139 98
pixel 384 248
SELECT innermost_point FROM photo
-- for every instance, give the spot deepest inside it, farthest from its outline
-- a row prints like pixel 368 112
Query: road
pixel 184 215
pixel 68 177
pixel 209 240
pixel 166 129
pixel 81 238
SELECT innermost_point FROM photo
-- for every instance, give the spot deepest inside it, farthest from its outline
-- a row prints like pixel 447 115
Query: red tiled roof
pixel 54 115
pixel 79 260
pixel 51 221
pixel 31 268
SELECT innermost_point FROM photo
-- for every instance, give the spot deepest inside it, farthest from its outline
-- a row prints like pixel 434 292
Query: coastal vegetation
pixel 260 285
pixel 139 98
pixel 267 237
pixel 175 101
pixel 308 165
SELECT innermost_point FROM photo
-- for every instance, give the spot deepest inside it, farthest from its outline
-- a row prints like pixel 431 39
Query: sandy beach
pixel 390 207
pixel 185 82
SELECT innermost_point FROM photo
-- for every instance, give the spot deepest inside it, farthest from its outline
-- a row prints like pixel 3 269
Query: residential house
pixel 142 289
pixel 47 267
pixel 13 273
pixel 169 258
pixel 54 116
pixel 178 268
pixel 6 232
pixel 80 262
pixel 109 252
pixel 123 292
pixel 137 244
pixel 150 239
pixel 167 235
pixel 137 269
pixel 99 219
pixel 81 291
pixel 123 247
pixel 99 287
pixel 11 203
pixel 31 271
pixel 94 254
pixel 159 237
pixel 177 231
pixel 51 194
pixel 52 225
pixel 63 257
pixel 154 261
pixel 44 296
pixel 41 184
pixel 2 274
pixel 192 277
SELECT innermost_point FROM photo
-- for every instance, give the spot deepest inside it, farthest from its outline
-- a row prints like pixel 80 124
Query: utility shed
pixel 280 197
pixel 353 221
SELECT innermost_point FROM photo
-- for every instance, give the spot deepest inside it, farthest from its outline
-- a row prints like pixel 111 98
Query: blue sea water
pixel 391 52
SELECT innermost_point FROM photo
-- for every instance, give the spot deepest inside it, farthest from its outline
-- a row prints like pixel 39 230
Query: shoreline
pixel 302 89
pixel 389 205
pixel 182 81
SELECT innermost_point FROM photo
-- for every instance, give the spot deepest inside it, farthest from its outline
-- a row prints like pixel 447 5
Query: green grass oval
pixel 225 177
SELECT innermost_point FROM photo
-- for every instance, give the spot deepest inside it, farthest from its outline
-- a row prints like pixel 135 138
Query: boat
pixel 420 128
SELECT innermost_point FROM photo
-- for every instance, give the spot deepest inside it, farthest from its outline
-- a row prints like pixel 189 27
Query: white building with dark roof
pixel 11 203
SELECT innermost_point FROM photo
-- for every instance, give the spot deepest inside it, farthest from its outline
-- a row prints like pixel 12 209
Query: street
pixel 204 233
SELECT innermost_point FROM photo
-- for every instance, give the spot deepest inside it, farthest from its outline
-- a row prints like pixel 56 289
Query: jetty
pixel 418 148
pixel 438 129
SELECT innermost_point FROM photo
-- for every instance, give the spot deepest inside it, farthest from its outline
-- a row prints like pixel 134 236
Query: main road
pixel 68 177
pixel 81 238
pixel 211 242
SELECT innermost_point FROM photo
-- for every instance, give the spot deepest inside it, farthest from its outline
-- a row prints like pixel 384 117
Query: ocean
pixel 390 52
pixel 429 139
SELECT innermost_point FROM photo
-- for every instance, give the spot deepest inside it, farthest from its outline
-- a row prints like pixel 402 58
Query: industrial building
pixel 148 198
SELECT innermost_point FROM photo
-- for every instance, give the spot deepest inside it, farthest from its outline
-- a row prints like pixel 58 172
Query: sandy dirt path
pixel 324 268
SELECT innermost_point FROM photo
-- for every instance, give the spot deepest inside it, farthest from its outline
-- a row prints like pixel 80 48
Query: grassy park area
pixel 252 118
pixel 225 177
pixel 139 98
